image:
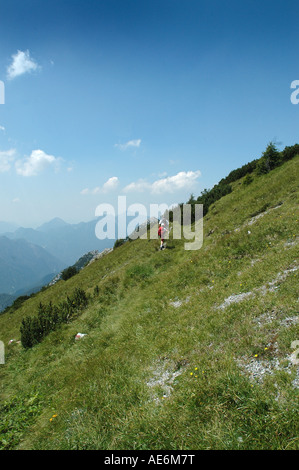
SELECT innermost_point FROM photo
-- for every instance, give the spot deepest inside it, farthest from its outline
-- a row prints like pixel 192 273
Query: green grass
pixel 162 366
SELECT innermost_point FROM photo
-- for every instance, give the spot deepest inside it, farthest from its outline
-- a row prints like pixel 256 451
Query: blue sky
pixel 148 99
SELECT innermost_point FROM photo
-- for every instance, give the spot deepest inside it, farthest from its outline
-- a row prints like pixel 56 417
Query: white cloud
pixel 2 128
pixel 84 191
pixel 110 185
pixel 37 162
pixel 6 158
pixel 131 143
pixel 21 63
pixel 16 200
pixel 95 190
pixel 139 186
pixel 184 180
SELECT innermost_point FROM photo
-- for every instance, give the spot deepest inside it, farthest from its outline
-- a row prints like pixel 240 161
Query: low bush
pixel 49 317
pixel 68 273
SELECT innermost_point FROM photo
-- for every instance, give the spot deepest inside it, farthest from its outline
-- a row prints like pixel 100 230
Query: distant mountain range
pixel 23 264
pixel 31 258
pixel 66 242
pixel 7 227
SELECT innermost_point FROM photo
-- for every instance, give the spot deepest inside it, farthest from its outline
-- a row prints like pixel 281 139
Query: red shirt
pixel 161 232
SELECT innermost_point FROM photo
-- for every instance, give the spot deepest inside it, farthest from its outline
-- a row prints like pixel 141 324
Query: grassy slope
pixel 151 374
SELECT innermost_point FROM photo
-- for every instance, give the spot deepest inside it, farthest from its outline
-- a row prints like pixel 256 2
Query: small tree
pixel 119 242
pixel 270 159
pixel 27 333
pixel 290 152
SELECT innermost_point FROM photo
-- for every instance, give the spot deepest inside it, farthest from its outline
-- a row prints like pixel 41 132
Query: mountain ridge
pixel 68 242
pixel 54 223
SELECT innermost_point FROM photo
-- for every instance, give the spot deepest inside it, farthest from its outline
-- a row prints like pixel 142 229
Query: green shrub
pixel 239 172
pixel 68 273
pixel 247 180
pixel 119 242
pixel 49 317
pixel 290 152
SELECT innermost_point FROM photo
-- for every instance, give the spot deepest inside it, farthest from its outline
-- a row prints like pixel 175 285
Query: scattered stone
pixel 179 303
pixel 257 369
pixel 291 243
pixel 164 373
pixel 287 322
pixel 270 287
pixel 234 299
pixel 256 217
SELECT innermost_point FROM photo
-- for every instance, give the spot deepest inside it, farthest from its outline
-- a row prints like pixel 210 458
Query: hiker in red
pixel 161 234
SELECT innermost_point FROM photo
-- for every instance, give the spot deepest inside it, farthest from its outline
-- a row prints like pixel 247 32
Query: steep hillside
pixel 183 349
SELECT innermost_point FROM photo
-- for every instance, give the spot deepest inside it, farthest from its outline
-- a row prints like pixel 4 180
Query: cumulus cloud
pixel 35 163
pixel 84 191
pixel 110 185
pixel 6 158
pixel 130 143
pixel 181 181
pixel 21 63
pixel 138 186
